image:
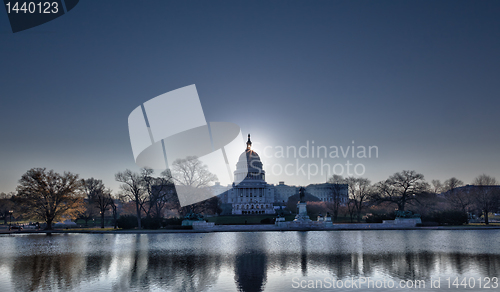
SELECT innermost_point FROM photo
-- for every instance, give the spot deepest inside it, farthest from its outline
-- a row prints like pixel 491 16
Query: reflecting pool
pixel 252 261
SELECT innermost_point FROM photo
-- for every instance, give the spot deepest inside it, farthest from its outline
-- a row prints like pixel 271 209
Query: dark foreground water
pixel 261 261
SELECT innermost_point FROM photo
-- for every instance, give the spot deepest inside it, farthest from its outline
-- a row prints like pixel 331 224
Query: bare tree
pixel 337 188
pixel 103 200
pixel 147 183
pixel 150 194
pixel 114 210
pixel 194 177
pixel 192 172
pixel 91 188
pixel 452 183
pixel 49 196
pixel 6 205
pixel 351 209
pixel 457 197
pixel 485 195
pixel 437 186
pixel 165 195
pixel 132 187
pixel 160 191
pixel 400 188
pixel 359 192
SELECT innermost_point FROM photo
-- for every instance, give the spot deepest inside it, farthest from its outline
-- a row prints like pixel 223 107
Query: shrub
pixel 172 222
pixel 151 223
pixel 449 217
pixel 127 222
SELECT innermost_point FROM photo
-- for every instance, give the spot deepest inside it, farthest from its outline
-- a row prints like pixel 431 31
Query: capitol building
pixel 253 195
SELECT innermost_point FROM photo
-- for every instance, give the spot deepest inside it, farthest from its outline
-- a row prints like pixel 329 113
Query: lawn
pixel 482 224
pixel 96 222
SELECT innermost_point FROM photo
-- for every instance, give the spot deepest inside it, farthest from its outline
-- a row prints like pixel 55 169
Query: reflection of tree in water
pixel 97 264
pixel 132 263
pixel 184 272
pixel 303 253
pixel 187 271
pixel 341 265
pixel 400 265
pixel 63 271
pixel 139 266
pixel 484 264
pixel 250 264
pixel 58 270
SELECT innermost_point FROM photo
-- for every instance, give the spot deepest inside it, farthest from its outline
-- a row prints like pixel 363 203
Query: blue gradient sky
pixel 418 79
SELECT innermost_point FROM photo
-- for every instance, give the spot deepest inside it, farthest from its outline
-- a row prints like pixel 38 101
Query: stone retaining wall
pixel 309 226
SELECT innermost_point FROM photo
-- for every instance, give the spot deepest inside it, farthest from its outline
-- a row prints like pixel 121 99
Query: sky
pixel 416 79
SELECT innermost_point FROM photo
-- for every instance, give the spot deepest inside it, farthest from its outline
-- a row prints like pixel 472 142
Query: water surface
pixel 247 261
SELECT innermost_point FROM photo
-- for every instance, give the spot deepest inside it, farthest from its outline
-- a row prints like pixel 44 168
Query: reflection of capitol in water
pixel 239 261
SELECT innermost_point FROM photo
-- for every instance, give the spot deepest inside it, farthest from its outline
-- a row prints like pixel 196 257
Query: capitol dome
pixel 249 166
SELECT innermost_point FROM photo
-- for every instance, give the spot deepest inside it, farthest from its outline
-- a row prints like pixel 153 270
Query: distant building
pixel 326 192
pixel 253 195
pixel 283 192
pixel 219 189
pixel 471 188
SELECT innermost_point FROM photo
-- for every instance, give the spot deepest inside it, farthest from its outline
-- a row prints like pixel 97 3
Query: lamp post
pixel 10 214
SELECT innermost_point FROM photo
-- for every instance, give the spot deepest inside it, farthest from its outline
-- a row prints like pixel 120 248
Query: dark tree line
pixel 408 190
pixel 48 196
pixel 98 199
pixel 151 195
